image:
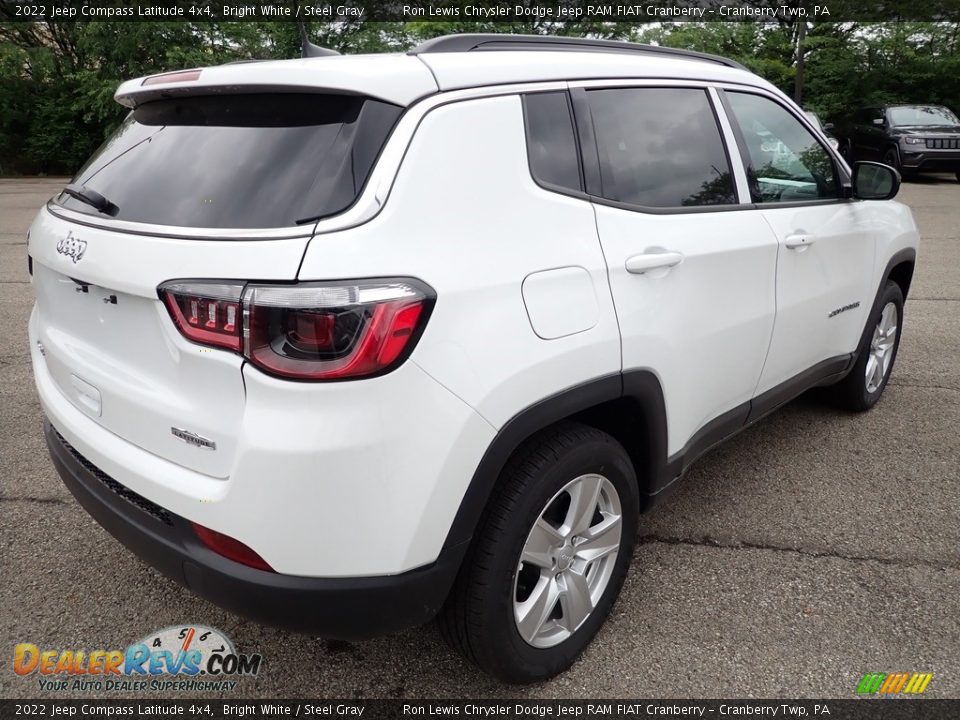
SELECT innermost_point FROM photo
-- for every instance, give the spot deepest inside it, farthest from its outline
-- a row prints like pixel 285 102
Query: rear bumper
pixel 342 608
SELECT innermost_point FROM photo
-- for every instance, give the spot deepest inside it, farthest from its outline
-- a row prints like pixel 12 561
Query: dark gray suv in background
pixel 910 138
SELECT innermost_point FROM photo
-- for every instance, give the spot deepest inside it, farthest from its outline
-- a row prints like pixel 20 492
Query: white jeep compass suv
pixel 344 343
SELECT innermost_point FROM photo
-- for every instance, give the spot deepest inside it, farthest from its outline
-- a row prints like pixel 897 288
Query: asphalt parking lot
pixel 813 548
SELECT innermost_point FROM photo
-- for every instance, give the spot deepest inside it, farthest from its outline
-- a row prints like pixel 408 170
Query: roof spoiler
pixel 308 49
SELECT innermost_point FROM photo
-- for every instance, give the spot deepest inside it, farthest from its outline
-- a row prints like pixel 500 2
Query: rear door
pixel 691 268
pixel 826 242
pixel 202 188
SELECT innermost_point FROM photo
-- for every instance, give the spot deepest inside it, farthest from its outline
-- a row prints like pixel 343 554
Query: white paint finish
pixel 474 229
pixel 396 78
pixel 560 302
pixel 145 376
pixel 730 140
pixel 704 325
pixel 137 264
pixel 87 397
pixel 847 248
pixel 150 378
pixel 364 477
pixel 326 477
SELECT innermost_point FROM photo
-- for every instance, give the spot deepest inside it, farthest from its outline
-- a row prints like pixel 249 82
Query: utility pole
pixel 798 79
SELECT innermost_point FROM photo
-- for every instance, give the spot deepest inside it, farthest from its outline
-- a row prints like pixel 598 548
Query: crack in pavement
pixel 38 501
pixel 921 385
pixel 651 539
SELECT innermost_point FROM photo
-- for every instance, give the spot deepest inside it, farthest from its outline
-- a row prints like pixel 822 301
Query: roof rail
pixel 468 42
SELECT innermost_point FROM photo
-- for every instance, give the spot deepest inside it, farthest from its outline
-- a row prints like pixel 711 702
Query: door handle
pixel 639 264
pixel 800 241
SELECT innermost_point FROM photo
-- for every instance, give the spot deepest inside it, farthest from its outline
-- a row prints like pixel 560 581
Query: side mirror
pixel 875 181
pixel 828 126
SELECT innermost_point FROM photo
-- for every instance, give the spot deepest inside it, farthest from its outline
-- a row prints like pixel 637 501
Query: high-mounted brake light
pixel 308 331
pixel 174 77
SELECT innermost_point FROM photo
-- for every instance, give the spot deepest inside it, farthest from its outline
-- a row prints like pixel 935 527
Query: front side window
pixel 786 162
pixel 660 148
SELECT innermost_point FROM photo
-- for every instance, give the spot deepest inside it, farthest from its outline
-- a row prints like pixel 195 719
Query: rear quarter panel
pixel 465 216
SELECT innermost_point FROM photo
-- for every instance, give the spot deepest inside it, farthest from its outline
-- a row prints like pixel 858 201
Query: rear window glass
pixel 238 161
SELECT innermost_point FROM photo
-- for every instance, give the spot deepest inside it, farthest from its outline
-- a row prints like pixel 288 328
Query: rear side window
pixel 551 144
pixel 238 161
pixel 660 148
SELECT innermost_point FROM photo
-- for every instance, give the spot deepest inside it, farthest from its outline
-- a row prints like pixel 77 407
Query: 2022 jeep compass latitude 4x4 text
pixel 344 343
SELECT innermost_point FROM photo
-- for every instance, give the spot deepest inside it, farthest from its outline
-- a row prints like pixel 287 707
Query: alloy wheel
pixel 881 347
pixel 567 560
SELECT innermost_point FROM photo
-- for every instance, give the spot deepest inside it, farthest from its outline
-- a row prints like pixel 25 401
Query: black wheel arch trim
pixel 641 387
pixel 901 257
pixel 514 433
pixel 906 255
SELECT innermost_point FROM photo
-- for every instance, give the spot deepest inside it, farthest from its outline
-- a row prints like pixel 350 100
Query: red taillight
pixel 307 331
pixel 206 313
pixel 229 548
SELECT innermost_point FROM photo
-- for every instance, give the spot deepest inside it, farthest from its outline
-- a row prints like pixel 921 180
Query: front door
pixel 826 248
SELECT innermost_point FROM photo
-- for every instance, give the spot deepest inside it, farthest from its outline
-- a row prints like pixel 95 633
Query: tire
pixel 846 151
pixel 860 391
pixel 892 158
pixel 481 618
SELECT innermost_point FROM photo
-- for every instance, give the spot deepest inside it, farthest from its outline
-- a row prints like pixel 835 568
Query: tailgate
pixel 112 349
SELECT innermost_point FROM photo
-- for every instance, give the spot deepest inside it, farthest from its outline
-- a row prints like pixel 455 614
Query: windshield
pixel 237 161
pixel 921 115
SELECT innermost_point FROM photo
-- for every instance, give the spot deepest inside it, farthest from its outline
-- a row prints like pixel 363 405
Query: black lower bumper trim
pixel 340 608
pixel 931 163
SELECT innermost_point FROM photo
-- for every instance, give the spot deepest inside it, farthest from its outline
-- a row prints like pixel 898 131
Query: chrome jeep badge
pixel 72 247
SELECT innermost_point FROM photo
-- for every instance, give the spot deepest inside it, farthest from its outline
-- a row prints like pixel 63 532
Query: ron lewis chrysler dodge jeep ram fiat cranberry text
pixel 344 343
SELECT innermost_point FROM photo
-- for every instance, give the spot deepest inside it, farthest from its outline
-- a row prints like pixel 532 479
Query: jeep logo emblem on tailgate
pixel 193 439
pixel 72 247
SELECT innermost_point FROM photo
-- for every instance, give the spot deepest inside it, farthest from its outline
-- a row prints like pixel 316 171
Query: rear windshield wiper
pixel 304 221
pixel 91 198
